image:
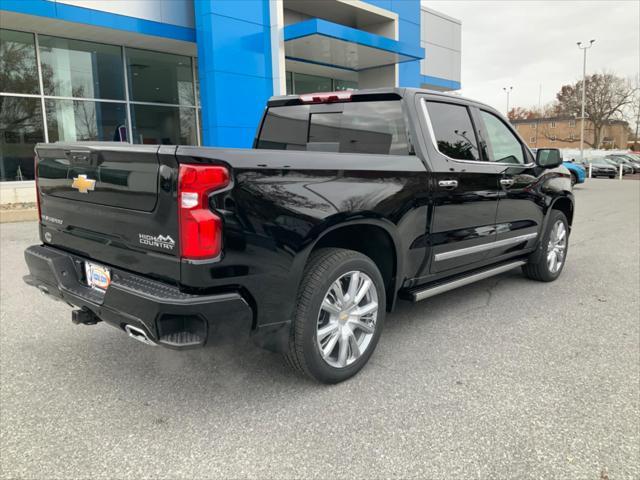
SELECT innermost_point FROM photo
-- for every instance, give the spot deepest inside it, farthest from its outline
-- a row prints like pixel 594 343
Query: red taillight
pixel 329 97
pixel 35 176
pixel 200 228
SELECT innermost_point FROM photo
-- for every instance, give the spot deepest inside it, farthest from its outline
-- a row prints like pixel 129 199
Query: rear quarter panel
pixel 280 203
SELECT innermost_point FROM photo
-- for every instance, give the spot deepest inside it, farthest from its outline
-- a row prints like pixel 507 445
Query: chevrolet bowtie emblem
pixel 83 184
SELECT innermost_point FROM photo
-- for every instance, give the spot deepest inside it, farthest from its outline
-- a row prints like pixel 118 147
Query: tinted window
pixel 74 68
pixel 453 130
pixel 82 120
pixel 154 124
pixel 20 129
pixel 504 147
pixel 18 70
pixel 361 127
pixel 160 77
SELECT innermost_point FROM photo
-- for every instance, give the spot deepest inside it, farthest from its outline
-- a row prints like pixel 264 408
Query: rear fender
pixel 332 224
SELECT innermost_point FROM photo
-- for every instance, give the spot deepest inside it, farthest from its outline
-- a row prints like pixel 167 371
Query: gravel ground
pixel 506 378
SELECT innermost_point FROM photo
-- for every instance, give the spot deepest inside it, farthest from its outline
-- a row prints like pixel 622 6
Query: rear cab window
pixel 453 130
pixel 372 127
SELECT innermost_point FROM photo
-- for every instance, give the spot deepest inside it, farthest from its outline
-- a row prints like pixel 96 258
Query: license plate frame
pixel 97 276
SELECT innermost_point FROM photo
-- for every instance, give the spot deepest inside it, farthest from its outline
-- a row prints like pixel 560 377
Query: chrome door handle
pixel 506 182
pixel 448 183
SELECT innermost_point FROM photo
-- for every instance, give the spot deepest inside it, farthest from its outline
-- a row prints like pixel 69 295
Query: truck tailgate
pixel 113 203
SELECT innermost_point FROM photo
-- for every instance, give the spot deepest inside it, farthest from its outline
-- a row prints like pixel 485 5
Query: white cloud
pixel 528 43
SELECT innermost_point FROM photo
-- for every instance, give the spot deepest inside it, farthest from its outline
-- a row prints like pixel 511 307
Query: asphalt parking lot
pixel 506 378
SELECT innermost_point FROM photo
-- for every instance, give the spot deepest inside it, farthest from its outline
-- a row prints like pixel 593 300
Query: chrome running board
pixel 461 282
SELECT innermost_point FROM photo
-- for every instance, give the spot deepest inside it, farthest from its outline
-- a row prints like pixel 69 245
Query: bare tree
pixel 606 98
pixel 633 116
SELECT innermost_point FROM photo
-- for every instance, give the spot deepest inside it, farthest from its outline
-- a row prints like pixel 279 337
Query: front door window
pixel 504 146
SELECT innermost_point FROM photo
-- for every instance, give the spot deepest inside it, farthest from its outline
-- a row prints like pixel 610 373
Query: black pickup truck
pixel 347 202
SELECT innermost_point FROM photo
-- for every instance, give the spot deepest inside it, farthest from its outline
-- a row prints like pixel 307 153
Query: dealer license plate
pixel 97 275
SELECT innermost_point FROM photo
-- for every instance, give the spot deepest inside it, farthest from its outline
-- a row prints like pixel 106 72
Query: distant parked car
pixel 627 166
pixel 629 159
pixel 617 161
pixel 600 167
pixel 577 171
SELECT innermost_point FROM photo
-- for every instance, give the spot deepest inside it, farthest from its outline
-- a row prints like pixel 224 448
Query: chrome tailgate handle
pixel 448 183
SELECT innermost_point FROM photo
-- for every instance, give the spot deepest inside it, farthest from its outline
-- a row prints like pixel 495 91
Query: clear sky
pixel 528 43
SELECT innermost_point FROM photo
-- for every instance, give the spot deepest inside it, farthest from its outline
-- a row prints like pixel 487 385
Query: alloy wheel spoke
pixel 366 309
pixel 366 285
pixel 327 306
pixel 327 330
pixel 561 232
pixel 330 345
pixel 343 350
pixel 338 292
pixel 354 281
pixel 552 258
pixel 365 327
pixel 353 345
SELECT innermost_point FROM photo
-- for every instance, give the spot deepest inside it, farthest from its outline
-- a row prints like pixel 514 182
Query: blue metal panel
pixel 234 61
pixel 386 4
pixel 96 18
pixel 328 29
pixel 255 11
pixel 409 33
pixel 247 53
pixel 407 10
pixel 232 137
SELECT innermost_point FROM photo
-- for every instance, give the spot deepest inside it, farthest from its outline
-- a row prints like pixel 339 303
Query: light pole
pixel 508 90
pixel 584 49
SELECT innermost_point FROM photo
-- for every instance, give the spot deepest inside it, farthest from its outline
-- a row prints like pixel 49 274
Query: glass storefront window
pixel 82 120
pixel 75 90
pixel 159 77
pixel 20 129
pixel 289 77
pixel 310 83
pixel 345 85
pixel 300 83
pixel 74 68
pixel 154 124
pixel 18 68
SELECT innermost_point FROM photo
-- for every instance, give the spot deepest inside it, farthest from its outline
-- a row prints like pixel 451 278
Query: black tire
pixel 324 267
pixel 574 179
pixel 612 177
pixel 537 267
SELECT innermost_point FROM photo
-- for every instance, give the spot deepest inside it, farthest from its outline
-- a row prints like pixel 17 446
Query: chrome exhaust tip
pixel 139 334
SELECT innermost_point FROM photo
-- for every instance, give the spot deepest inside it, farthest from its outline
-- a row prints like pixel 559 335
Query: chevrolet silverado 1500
pixel 347 202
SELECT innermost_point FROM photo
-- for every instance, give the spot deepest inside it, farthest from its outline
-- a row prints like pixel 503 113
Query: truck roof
pixel 281 100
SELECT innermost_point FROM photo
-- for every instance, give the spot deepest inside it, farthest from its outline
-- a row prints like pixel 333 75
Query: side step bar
pixel 434 290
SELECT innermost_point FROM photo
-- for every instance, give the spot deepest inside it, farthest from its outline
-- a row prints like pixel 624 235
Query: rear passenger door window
pixel 453 131
pixel 503 145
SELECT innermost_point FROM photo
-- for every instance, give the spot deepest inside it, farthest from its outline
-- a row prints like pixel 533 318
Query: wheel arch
pixel 565 205
pixel 372 237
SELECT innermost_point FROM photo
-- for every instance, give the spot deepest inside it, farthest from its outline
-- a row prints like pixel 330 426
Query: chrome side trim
pixel 433 291
pixel 485 246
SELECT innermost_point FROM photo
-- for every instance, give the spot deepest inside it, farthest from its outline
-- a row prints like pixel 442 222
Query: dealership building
pixel 196 71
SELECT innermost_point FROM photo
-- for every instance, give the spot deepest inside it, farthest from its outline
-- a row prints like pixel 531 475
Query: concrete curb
pixel 19 215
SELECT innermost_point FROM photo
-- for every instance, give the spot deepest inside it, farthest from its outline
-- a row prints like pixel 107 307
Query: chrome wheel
pixel 557 246
pixel 347 319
